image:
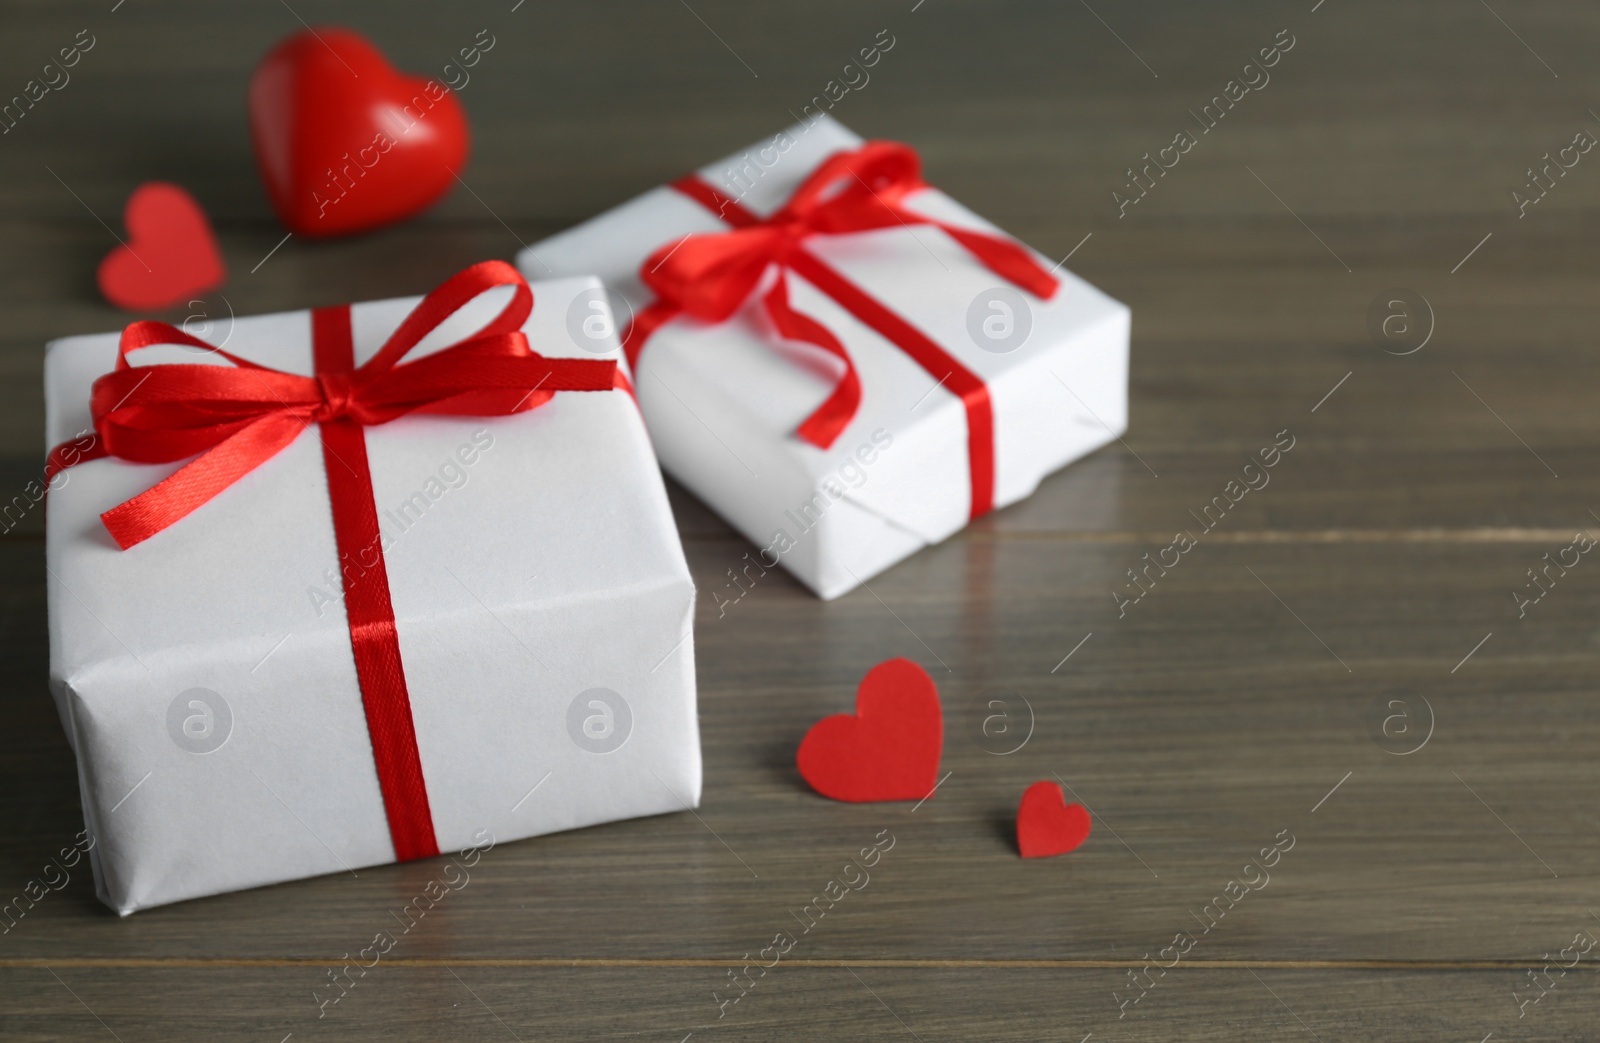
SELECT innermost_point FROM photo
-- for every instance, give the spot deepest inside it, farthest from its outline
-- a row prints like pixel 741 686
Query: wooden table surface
pixel 1431 893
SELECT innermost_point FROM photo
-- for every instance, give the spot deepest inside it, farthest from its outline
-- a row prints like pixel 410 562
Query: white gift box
pixel 722 400
pixel 206 678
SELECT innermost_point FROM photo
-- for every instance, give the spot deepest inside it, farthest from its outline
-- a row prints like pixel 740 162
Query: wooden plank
pixel 793 1001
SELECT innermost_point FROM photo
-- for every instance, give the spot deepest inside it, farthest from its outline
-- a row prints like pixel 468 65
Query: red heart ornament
pixel 889 749
pixel 1046 824
pixel 171 251
pixel 343 141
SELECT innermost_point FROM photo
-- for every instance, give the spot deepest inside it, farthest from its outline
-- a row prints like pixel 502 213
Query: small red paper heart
pixel 1046 824
pixel 889 749
pixel 345 143
pixel 170 253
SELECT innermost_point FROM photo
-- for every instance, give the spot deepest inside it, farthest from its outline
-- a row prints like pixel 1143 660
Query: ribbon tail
pixel 933 359
pixel 823 427
pixel 1007 259
pixel 181 493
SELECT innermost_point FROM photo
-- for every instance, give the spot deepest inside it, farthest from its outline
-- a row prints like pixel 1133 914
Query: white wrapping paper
pixel 543 608
pixel 722 400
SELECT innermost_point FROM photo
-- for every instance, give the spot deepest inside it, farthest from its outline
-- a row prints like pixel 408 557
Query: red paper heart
pixel 1046 824
pixel 170 253
pixel 343 141
pixel 889 749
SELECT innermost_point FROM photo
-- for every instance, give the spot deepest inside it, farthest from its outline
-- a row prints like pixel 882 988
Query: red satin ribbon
pixel 238 417
pixel 709 276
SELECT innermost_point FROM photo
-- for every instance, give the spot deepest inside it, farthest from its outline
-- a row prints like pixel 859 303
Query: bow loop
pixel 710 275
pixel 450 297
pixel 858 190
pixel 156 414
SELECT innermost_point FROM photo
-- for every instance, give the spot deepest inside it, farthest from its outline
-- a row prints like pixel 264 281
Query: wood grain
pixel 801 1002
pixel 1235 700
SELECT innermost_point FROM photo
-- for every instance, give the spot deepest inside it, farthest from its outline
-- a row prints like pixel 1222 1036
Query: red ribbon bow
pixel 710 275
pixel 237 417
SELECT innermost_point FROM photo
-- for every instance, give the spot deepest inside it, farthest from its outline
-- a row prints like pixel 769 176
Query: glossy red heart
pixel 1046 824
pixel 345 143
pixel 170 252
pixel 889 749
